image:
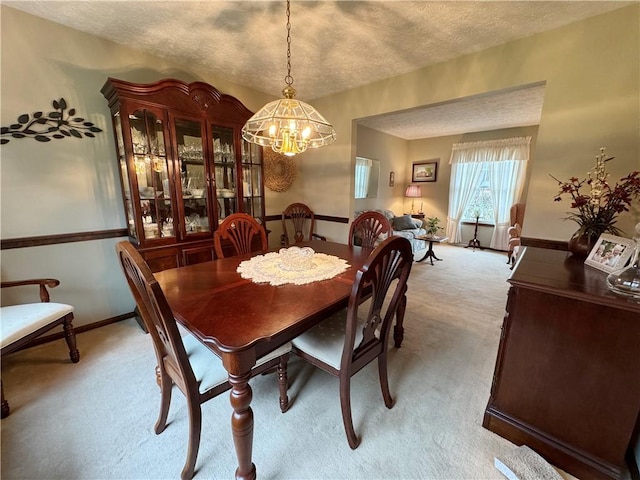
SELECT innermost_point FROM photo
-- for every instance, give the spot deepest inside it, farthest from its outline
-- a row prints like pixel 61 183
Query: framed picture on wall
pixel 610 253
pixel 426 171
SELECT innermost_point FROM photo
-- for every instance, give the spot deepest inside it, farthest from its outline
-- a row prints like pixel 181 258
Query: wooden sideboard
pixel 567 374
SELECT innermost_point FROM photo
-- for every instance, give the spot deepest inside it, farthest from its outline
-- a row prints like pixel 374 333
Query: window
pixel 486 179
pixel 481 204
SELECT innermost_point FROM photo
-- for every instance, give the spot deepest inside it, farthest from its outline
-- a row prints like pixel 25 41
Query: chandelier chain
pixel 288 126
pixel 288 79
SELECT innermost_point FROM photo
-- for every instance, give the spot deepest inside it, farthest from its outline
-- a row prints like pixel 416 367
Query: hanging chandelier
pixel 288 126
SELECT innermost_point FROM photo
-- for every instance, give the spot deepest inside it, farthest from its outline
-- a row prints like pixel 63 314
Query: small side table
pixel 430 253
pixel 474 242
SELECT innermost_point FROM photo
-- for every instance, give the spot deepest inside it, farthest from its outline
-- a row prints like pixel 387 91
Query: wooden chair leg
pixel 70 337
pixel 195 426
pixel 159 376
pixel 5 404
pixel 283 382
pixel 384 380
pixel 398 329
pixel 345 404
pixel 166 384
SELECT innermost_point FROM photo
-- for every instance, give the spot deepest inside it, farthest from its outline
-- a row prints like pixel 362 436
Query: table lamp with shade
pixel 413 192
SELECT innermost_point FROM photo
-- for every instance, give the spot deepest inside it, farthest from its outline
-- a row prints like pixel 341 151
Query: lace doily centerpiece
pixel 297 265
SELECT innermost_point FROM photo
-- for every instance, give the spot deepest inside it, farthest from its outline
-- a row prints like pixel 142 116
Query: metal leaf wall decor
pixel 43 127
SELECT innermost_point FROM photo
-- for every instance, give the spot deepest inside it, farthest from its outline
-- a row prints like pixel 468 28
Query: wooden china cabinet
pixel 183 166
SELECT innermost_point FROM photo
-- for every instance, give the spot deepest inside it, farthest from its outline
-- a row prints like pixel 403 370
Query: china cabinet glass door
pixel 252 179
pixel 124 175
pixel 193 176
pixel 224 160
pixel 151 172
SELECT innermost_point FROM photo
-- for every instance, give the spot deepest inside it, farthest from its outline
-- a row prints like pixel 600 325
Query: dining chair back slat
pixel 242 232
pixel 298 224
pixel 367 228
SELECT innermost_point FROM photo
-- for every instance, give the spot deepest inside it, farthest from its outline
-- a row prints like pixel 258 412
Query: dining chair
pixel 242 232
pixel 367 228
pixel 347 341
pixel 185 361
pixel 21 324
pixel 298 223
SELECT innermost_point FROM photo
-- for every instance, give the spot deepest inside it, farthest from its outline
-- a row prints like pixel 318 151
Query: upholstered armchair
pixel 514 231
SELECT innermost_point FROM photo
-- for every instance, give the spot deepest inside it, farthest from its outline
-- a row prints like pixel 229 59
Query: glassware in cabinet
pixel 124 175
pixel 226 175
pixel 151 172
pixel 193 176
pixel 252 183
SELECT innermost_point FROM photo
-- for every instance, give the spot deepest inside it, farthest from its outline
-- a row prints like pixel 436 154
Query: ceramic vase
pixel 581 243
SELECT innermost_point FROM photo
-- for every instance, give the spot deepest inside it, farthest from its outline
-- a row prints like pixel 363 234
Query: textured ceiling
pixel 335 45
pixel 515 108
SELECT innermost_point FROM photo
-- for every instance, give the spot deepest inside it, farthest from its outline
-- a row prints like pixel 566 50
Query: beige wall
pixel 592 74
pixel 436 194
pixel 591 70
pixel 69 185
pixel 391 152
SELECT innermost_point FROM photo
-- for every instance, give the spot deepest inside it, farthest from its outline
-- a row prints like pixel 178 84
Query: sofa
pixel 403 226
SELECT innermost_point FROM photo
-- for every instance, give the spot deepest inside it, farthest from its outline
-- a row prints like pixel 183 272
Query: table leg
pixel 242 425
pixel 474 243
pixel 429 254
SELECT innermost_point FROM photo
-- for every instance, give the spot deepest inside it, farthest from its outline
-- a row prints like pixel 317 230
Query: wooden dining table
pixel 241 320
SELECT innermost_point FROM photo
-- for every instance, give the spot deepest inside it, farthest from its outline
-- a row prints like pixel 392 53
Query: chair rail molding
pixel 25 242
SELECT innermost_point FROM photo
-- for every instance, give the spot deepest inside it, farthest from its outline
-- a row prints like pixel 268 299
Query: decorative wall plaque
pixel 43 127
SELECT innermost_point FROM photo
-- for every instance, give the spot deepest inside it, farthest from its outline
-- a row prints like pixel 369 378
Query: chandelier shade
pixel 288 126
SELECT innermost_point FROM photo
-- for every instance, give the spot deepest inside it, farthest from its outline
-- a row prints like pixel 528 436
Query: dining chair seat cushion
pixel 207 366
pixel 18 321
pixel 325 341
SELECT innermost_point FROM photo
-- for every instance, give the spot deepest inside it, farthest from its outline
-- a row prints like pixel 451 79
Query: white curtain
pixel 507 161
pixel 465 178
pixel 363 172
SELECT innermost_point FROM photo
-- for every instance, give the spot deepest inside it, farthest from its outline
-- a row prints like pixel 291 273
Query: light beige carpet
pixel 94 419
pixel 523 463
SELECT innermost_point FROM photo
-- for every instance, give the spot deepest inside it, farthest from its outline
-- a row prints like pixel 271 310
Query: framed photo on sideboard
pixel 610 253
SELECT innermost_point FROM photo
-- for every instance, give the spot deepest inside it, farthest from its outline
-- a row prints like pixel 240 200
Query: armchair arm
pixel 514 232
pixel 43 282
